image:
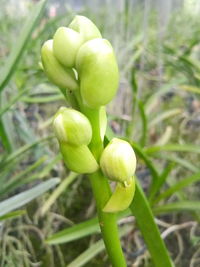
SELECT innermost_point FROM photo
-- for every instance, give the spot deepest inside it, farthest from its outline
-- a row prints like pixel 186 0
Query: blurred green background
pixel 157 108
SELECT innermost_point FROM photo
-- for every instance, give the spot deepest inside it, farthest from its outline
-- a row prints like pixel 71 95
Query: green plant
pixel 160 76
pixel 92 66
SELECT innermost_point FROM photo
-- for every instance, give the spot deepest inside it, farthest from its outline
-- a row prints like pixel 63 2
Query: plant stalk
pixel 102 192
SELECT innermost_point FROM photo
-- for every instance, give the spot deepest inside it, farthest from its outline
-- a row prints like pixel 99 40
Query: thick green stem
pixel 107 221
pixel 102 192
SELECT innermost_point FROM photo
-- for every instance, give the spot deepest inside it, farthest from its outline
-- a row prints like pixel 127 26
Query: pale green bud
pixel 85 27
pixel 72 127
pixel 56 73
pixel 121 197
pixel 78 158
pixel 98 71
pixel 118 161
pixel 66 43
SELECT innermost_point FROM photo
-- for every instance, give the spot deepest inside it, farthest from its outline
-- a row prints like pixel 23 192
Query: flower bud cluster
pixel 78 58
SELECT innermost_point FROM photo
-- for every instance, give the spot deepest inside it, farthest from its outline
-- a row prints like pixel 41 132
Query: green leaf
pixel 160 181
pixel 43 99
pixel 12 102
pixel 20 46
pixel 165 115
pixel 93 250
pixel 143 155
pixel 88 254
pixel 154 99
pixel 16 154
pixel 144 123
pixel 12 215
pixel 190 88
pixel 178 186
pixel 4 137
pixel 178 207
pixel 145 220
pixel 185 163
pixel 75 232
pixel 17 180
pixel 173 147
pixel 58 191
pixel 23 198
pixel 80 230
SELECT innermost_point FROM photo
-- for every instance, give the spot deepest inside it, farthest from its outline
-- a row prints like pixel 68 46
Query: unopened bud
pixel 56 73
pixel 85 27
pixel 98 71
pixel 66 43
pixel 78 158
pixel 118 161
pixel 72 127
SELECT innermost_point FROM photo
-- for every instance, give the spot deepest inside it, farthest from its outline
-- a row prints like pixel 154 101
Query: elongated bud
pixel 72 127
pixel 121 197
pixel 85 27
pixel 78 158
pixel 66 43
pixel 118 161
pixel 98 71
pixel 56 73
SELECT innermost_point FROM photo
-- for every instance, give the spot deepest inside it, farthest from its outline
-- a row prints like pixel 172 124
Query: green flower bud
pixel 56 73
pixel 98 71
pixel 85 27
pixel 72 127
pixel 78 158
pixel 66 43
pixel 121 197
pixel 118 161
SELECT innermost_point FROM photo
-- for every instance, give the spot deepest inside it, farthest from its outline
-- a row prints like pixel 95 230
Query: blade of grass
pixel 12 102
pixel 4 138
pixel 12 215
pixel 178 186
pixel 7 134
pixel 7 187
pixel 20 46
pixel 94 250
pixel 44 173
pixel 26 133
pixel 58 191
pixel 165 115
pixel 15 155
pixel 152 101
pixel 140 152
pixel 145 220
pixel 173 147
pixel 80 230
pixel 178 207
pixel 43 99
pixel 88 254
pixel 165 137
pixel 182 162
pixel 160 181
pixel 75 232
pixel 190 88
pixel 23 198
pixel 144 123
